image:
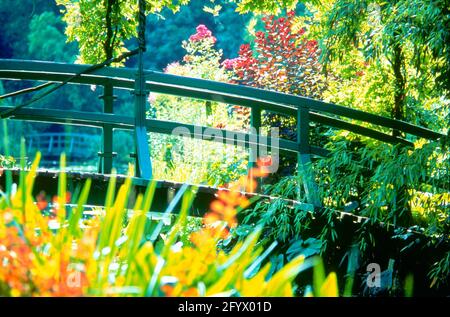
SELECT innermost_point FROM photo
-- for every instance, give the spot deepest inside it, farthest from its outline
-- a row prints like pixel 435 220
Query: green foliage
pixel 103 38
pixel 46 40
pixel 406 48
pixel 43 39
pixel 307 247
pixel 7 161
pixel 225 171
pixel 281 220
pixel 387 184
pixel 265 6
pixel 15 24
pixel 440 271
pixel 384 181
pixel 99 38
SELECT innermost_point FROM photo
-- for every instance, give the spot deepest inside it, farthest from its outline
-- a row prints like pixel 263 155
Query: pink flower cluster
pixel 202 33
pixel 170 67
pixel 229 63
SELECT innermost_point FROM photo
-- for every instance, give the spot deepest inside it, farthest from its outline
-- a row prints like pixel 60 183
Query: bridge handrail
pixel 52 143
pixel 210 90
pixel 97 120
pixel 68 134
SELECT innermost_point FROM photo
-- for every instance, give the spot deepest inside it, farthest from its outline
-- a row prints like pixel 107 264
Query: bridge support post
pixel 143 162
pixel 106 155
pixel 255 123
pixel 304 165
pixel 255 126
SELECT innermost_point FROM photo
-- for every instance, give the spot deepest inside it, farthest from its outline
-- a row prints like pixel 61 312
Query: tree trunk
pixel 108 104
pixel 108 45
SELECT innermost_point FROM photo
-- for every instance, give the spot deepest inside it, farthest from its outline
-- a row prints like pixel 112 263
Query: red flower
pixel 311 45
pixel 220 126
pixel 265 161
pixel 244 48
pixel 259 34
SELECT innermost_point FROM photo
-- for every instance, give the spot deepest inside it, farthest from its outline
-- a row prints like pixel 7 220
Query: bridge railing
pixel 54 143
pixel 305 110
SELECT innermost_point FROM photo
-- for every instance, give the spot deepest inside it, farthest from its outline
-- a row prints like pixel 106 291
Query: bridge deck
pixel 165 191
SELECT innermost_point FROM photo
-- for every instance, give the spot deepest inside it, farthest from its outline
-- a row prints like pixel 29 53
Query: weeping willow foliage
pixel 401 186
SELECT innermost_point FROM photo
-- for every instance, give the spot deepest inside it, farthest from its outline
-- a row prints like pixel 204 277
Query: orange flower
pixel 167 290
pixel 201 238
pixel 208 236
pixel 192 292
pixel 210 218
pixel 68 197
pixel 257 172
pixel 231 198
pixel 55 199
pixel 71 282
pixel 244 203
pixel 248 184
pixel 222 211
pixel 229 216
pixel 217 206
pixel 41 201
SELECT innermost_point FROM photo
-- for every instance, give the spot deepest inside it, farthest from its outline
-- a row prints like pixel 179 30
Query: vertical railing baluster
pixel 30 144
pixel 50 145
pixel 71 144
pixel 255 125
pixel 106 155
pixel 304 157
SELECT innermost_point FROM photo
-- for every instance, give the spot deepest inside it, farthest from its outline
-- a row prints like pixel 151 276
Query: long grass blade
pixel 8 174
pixel 154 235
